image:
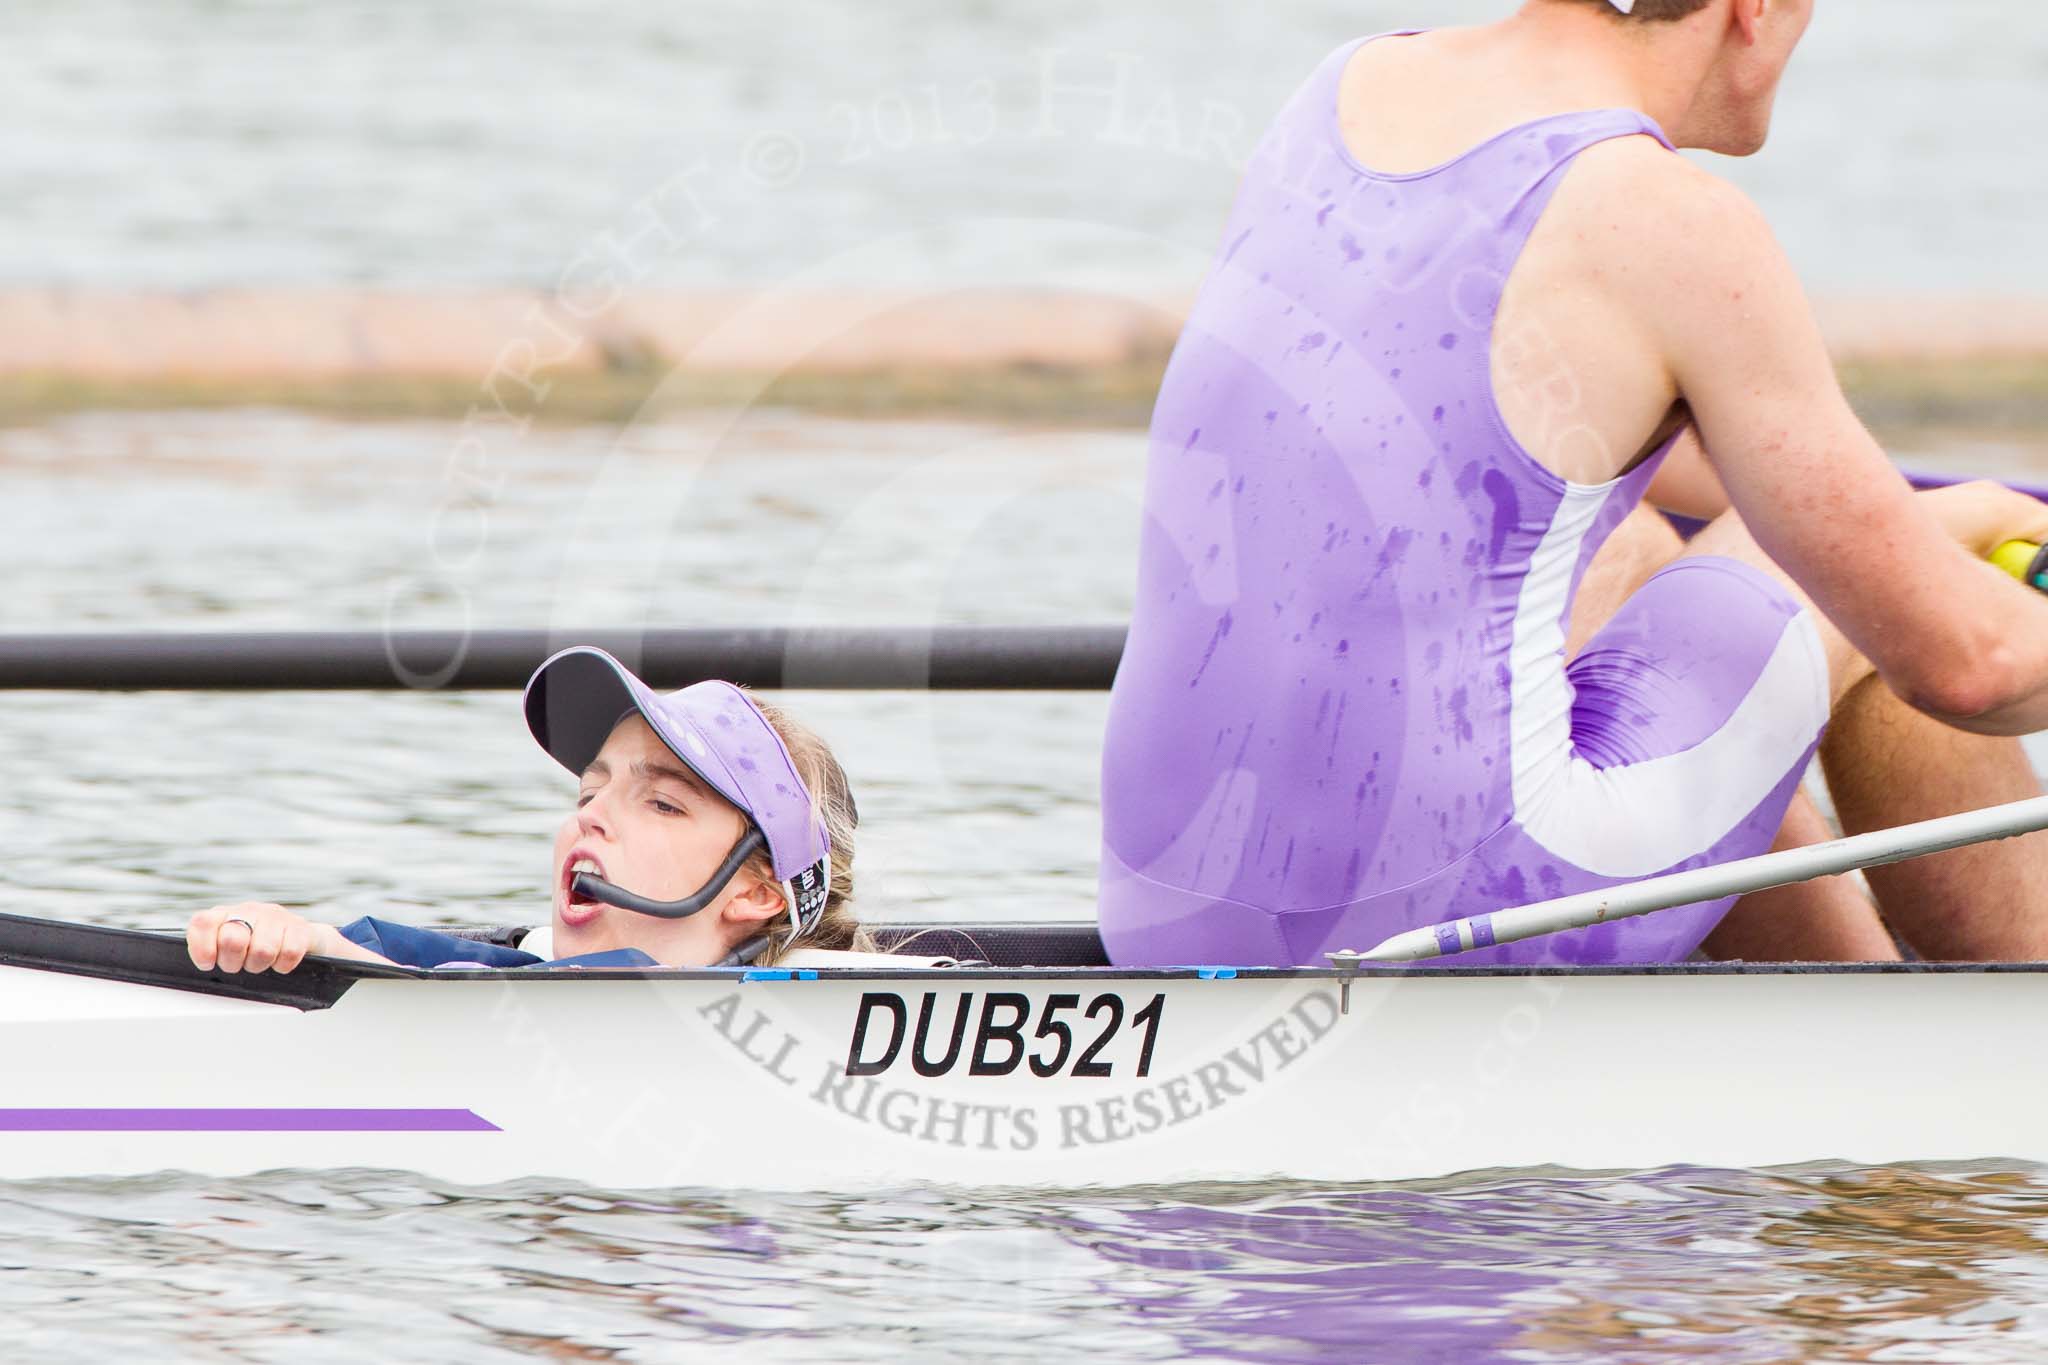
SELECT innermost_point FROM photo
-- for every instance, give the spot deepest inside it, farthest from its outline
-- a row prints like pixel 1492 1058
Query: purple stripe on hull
pixel 244 1121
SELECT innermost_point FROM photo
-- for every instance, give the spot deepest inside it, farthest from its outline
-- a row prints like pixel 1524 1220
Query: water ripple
pixel 1827 1263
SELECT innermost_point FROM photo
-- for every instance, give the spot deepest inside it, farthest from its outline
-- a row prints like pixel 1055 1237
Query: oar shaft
pixel 1022 658
pixel 1712 883
pixel 1921 479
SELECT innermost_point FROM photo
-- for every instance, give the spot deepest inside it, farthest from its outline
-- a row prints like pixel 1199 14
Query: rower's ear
pixel 1749 19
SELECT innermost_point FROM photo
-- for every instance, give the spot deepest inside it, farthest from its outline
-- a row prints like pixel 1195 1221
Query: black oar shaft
pixel 942 658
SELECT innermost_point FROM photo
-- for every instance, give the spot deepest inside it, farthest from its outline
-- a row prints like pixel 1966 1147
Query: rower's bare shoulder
pixel 1635 204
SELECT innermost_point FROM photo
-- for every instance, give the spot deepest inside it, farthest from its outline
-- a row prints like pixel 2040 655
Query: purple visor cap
pixel 574 700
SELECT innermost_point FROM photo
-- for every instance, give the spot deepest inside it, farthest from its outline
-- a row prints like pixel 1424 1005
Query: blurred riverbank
pixel 382 210
pixel 1912 364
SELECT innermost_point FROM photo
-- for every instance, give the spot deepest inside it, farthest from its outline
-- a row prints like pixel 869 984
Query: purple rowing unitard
pixel 1345 710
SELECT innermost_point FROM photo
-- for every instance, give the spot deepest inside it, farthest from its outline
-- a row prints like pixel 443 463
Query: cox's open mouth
pixel 579 861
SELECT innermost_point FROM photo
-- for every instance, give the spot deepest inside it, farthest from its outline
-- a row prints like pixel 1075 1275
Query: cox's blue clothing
pixel 410 947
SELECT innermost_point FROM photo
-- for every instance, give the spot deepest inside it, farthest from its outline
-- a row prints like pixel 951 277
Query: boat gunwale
pixel 157 958
pixel 1365 972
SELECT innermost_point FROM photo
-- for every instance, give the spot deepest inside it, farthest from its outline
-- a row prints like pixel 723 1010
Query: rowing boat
pixel 1040 1066
pixel 1028 1060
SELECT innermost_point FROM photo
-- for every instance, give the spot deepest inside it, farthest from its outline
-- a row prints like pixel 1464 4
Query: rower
pixel 1405 645
pixel 709 829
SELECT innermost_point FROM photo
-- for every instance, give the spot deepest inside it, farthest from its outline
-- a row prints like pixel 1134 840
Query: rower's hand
pixel 1984 515
pixel 254 936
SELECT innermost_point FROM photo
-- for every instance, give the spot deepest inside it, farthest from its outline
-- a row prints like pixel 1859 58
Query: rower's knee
pixel 1726 537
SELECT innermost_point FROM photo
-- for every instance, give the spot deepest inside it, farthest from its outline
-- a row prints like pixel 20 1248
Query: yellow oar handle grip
pixel 2024 560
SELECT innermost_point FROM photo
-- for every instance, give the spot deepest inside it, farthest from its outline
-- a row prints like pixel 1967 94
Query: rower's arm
pixel 1902 576
pixel 1686 482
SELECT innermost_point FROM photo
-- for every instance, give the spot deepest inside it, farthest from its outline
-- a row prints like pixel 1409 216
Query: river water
pixel 202 143
pixel 1820 1264
pixel 137 809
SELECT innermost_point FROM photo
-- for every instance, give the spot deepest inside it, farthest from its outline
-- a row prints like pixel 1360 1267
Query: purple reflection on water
pixel 1342 1277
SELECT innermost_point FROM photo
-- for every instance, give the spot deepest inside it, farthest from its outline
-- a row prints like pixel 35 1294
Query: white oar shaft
pixel 1712 883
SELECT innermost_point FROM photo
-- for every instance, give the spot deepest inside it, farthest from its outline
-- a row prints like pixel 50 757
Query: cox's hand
pixel 254 936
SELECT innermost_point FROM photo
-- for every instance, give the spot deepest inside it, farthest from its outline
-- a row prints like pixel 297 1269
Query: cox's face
pixel 645 823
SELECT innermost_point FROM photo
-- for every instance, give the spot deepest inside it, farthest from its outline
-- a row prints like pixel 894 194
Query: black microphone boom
pixel 590 886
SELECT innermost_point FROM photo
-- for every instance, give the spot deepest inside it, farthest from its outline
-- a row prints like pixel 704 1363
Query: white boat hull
pixel 693 1080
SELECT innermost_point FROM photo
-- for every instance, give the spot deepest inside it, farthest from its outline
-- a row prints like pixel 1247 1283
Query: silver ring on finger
pixel 237 919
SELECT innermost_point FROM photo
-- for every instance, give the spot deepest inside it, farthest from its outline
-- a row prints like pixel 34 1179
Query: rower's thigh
pixel 1692 716
pixel 1713 663
pixel 1641 545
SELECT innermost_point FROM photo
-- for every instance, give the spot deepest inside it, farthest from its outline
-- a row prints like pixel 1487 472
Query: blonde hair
pixel 836 926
